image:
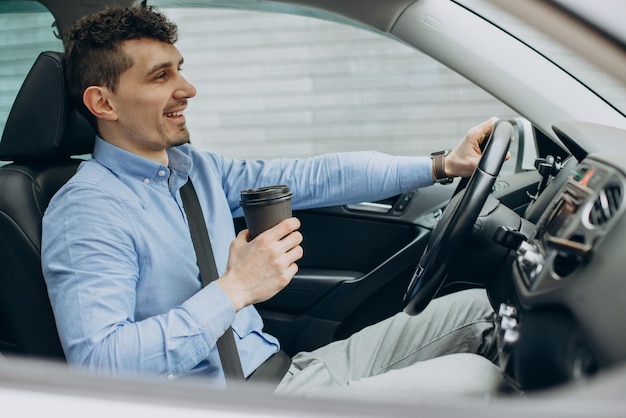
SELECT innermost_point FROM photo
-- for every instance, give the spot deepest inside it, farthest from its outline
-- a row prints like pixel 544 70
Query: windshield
pixel 603 84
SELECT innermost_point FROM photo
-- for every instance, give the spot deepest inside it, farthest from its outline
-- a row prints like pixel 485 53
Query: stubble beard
pixel 180 139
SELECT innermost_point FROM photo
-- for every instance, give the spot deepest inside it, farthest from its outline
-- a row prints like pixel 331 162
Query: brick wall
pixel 279 85
pixel 273 85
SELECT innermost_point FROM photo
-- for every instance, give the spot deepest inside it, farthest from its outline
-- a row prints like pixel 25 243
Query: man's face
pixel 150 99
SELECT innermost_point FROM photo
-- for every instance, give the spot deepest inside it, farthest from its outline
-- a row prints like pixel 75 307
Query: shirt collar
pixel 123 162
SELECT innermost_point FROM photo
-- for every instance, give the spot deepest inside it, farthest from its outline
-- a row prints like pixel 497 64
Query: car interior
pixel 342 276
pixel 545 242
pixel 41 135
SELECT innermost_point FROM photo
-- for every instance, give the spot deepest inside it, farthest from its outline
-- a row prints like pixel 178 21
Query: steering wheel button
pixel 510 336
pixel 506 310
pixel 508 323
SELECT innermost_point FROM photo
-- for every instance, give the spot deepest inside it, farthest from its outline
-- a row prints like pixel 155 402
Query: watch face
pixel 442 152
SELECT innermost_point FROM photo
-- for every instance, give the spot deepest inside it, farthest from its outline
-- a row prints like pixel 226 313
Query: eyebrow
pixel 163 65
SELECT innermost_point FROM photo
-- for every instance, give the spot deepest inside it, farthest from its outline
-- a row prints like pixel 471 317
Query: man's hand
pixel 463 160
pixel 259 269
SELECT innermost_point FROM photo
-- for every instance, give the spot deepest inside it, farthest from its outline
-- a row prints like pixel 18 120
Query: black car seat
pixel 42 133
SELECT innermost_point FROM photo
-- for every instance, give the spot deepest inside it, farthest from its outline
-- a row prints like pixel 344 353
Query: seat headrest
pixel 43 124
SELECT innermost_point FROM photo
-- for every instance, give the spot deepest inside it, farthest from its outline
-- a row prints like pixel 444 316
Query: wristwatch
pixel 439 171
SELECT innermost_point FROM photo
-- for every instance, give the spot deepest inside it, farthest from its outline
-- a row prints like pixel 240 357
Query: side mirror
pixel 524 148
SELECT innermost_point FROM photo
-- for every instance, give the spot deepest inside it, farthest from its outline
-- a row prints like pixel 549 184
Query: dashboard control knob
pixel 530 260
pixel 509 238
pixel 507 332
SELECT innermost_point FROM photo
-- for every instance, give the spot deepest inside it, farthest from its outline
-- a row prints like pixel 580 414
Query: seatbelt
pixel 226 346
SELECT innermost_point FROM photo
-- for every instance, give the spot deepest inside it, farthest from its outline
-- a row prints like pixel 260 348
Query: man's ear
pixel 96 100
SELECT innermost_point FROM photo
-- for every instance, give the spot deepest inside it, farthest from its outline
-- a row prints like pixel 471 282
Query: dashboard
pixel 566 235
pixel 564 319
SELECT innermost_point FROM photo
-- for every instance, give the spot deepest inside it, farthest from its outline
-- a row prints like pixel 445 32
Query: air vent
pixel 606 205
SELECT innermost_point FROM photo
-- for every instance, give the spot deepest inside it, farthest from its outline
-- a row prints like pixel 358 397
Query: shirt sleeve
pixel 327 180
pixel 92 275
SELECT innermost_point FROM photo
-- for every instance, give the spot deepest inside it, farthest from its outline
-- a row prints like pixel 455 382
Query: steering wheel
pixel 457 222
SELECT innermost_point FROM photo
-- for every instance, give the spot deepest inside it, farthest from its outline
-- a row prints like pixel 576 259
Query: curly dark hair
pixel 93 54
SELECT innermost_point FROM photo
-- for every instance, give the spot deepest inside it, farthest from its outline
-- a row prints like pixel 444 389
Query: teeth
pixel 174 114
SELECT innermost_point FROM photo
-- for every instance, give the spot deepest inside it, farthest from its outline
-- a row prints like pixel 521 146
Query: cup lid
pixel 264 194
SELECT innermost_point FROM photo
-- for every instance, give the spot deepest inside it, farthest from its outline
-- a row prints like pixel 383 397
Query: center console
pixel 576 221
pixel 547 331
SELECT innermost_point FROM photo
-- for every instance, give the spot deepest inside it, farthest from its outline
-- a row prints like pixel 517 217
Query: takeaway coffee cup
pixel 265 207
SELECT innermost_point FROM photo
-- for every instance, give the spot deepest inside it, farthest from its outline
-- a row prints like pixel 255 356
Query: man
pixel 117 256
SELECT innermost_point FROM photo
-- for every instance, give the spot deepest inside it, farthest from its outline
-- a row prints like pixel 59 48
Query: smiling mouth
pixel 174 114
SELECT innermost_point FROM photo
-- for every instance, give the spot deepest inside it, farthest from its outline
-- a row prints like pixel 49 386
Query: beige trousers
pixel 407 357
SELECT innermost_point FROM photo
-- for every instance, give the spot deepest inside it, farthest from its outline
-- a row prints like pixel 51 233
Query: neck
pixel 158 155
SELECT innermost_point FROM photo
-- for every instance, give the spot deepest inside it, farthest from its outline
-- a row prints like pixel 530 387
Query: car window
pixel 273 85
pixel 276 85
pixel 26 29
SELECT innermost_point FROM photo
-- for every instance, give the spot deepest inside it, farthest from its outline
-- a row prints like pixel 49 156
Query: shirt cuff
pixel 414 172
pixel 212 310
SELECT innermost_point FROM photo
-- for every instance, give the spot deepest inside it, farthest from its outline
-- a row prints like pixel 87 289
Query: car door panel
pixel 343 307
pixel 357 263
pixel 351 255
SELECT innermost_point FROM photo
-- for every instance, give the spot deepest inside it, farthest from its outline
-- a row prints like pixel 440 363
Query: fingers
pixel 283 237
pixel 283 229
pixel 466 155
pixel 484 129
pixel 294 251
pixel 258 269
pixel 486 126
pixel 481 131
pixel 287 239
pixel 285 233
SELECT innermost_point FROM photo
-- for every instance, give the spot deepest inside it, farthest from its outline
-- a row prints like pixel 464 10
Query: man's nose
pixel 186 89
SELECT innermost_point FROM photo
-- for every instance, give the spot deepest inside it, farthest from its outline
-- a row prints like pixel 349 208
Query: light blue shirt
pixel 120 265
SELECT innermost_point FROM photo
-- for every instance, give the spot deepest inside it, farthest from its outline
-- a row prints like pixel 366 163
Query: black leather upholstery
pixel 41 134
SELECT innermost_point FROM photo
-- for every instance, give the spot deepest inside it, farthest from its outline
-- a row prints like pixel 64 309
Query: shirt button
pixel 161 173
pixel 146 180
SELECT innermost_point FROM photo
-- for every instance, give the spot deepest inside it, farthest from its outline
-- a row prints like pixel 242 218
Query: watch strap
pixel 439 171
